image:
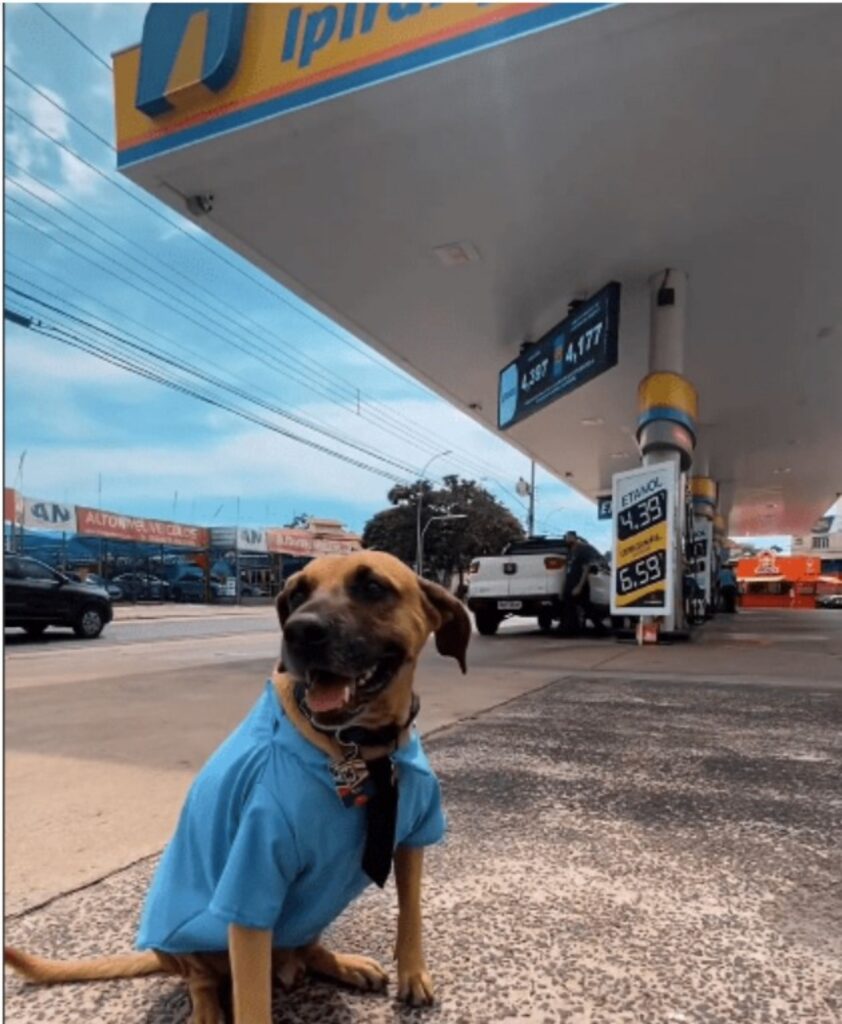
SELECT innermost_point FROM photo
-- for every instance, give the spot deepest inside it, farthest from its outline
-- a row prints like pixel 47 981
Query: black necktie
pixel 382 811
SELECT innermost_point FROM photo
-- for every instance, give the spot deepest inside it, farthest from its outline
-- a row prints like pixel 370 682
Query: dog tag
pixel 350 776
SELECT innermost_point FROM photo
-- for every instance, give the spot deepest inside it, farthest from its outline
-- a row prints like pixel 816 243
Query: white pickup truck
pixel 527 580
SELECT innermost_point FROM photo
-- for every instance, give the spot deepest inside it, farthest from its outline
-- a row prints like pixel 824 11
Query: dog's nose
pixel 306 630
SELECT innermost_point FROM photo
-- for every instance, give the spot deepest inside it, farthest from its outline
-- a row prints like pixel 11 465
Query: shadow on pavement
pixel 51 636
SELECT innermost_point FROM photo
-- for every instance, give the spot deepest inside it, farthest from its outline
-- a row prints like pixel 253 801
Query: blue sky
pixel 160 453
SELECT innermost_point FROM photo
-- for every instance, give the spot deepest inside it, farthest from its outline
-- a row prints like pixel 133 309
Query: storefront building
pixel 772 580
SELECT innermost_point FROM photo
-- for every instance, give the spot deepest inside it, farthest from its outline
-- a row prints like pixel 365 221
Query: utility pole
pixel 99 506
pixel 237 554
pixel 419 564
pixel 19 489
pixel 523 489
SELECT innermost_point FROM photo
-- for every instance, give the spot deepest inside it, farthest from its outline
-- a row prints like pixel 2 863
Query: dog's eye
pixel 296 599
pixel 374 590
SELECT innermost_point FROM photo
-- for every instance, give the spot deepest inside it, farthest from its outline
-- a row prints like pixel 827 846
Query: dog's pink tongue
pixel 328 696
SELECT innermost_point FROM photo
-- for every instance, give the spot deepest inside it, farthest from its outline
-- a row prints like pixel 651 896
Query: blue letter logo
pixel 187 49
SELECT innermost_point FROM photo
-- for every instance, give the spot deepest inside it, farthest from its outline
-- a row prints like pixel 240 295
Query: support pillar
pixel 703 491
pixel 668 406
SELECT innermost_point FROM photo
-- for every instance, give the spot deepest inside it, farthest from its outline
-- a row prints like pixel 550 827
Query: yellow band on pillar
pixel 669 389
pixel 667 396
pixel 703 490
pixel 703 487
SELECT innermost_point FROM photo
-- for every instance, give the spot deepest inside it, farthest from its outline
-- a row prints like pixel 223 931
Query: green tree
pixel 449 546
pixel 299 521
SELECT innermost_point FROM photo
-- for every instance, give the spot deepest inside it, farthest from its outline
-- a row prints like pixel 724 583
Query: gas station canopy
pixel 443 180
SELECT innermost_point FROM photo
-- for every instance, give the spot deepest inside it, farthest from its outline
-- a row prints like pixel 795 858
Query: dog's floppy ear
pixel 449 621
pixel 282 600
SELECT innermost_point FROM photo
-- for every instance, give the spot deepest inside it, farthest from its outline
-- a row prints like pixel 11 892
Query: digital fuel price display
pixel 642 506
pixel 581 347
pixel 642 515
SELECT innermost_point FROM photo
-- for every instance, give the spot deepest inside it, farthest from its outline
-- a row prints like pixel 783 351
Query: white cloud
pixel 35 362
pixel 23 185
pixel 248 462
pixel 47 116
pixel 35 152
pixel 78 177
pixel 256 461
pixel 19 149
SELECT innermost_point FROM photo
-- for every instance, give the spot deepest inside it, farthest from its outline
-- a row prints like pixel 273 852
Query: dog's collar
pixel 356 736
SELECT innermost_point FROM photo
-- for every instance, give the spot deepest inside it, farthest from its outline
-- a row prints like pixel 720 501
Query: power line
pixel 314 376
pixel 58 106
pixel 68 302
pixel 75 341
pixel 159 299
pixel 404 379
pixel 109 269
pixel 159 356
pixel 73 36
pixel 426 437
pixel 88 164
pixel 397 425
pixel 423 439
pixel 152 374
pixel 35 299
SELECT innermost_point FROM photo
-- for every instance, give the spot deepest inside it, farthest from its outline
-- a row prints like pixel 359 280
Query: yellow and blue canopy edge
pixel 275 58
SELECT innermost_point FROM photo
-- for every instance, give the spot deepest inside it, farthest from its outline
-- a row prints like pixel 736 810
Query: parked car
pixel 113 591
pixel 829 601
pixel 189 585
pixel 142 586
pixel 36 596
pixel 527 580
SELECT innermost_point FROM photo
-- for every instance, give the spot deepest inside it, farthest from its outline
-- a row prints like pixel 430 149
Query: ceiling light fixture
pixel 592 421
pixel 454 254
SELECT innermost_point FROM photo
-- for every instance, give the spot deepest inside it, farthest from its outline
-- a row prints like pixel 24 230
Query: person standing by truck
pixel 728 588
pixel 581 556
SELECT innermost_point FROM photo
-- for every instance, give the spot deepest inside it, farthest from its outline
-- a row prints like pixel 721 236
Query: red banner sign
pixel 305 543
pixel 95 523
pixel 12 505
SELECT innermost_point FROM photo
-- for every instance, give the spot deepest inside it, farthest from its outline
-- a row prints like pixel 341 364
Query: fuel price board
pixel 643 502
pixel 581 347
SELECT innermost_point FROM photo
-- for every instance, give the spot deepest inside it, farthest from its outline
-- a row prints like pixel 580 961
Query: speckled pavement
pixel 620 852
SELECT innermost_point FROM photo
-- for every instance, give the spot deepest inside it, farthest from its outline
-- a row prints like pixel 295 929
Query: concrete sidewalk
pixel 625 847
pixel 171 611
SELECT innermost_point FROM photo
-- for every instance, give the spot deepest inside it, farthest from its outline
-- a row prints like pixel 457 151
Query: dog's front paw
pixel 415 986
pixel 348 968
pixel 360 971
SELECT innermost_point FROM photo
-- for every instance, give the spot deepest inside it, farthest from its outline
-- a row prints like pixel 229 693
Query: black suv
pixel 36 596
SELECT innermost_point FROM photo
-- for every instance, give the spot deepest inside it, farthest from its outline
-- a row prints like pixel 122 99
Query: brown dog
pixel 354 627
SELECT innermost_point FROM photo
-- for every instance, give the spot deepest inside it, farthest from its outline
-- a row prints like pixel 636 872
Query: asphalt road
pixel 621 851
pixel 103 737
pixel 135 631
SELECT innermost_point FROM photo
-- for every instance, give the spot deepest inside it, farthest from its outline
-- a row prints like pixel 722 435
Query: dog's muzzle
pixel 341 671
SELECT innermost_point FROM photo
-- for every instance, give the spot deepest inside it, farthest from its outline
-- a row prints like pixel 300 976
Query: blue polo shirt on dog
pixel 264 841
